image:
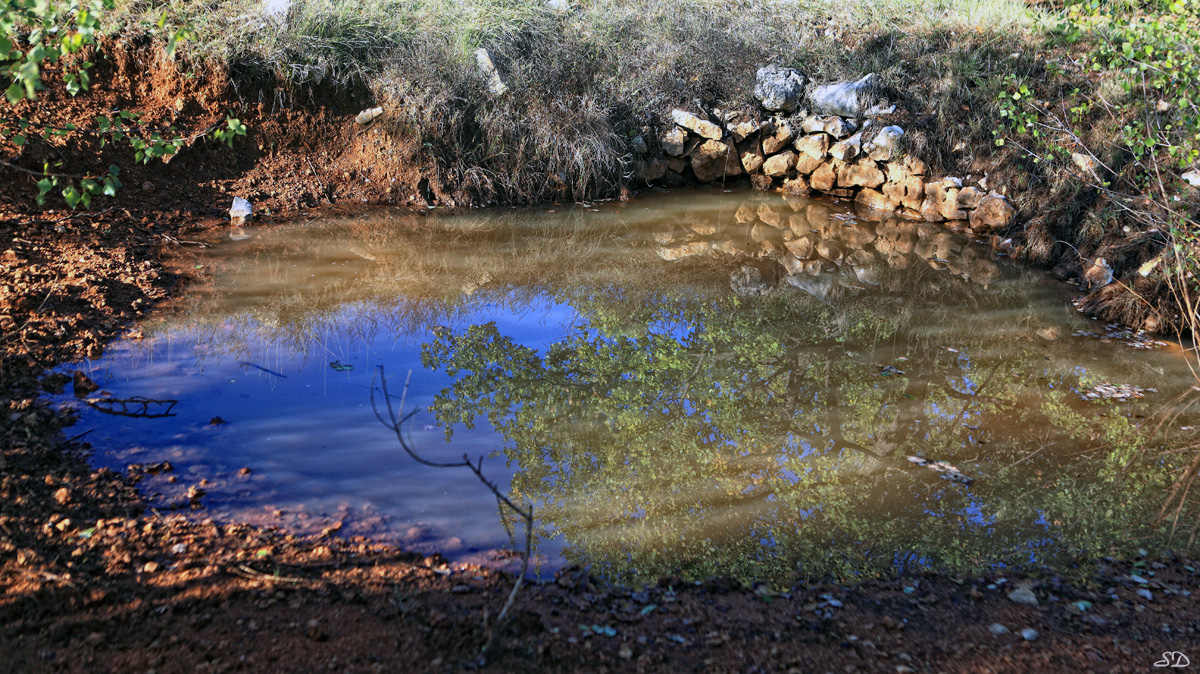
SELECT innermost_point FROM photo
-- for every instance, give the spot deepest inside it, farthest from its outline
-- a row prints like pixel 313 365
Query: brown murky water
pixel 682 385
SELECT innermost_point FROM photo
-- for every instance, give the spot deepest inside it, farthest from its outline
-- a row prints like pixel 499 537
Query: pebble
pixel 997 629
pixel 1029 634
pixel 1145 594
pixel 1023 595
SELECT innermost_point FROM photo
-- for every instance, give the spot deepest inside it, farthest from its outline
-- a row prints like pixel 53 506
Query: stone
pixel 797 186
pixel 968 197
pixel 639 145
pixel 743 130
pixel 806 163
pixel 560 6
pixel 952 182
pixel 824 177
pixel 780 164
pixel 864 173
pixel 997 629
pixel 488 69
pixel 683 250
pixel 677 164
pixel 700 127
pixel 240 211
pixel 838 127
pixel 886 144
pixel 751 154
pixel 367 116
pixel 931 208
pixel 672 141
pixel 1085 162
pixel 847 149
pixel 1029 634
pixel 815 145
pixel 1097 273
pixel 1192 177
pixel 941 203
pixel 874 200
pixel 993 212
pixel 778 139
pixel 1022 594
pixel 908 192
pixel 779 88
pixel 713 159
pixel 845 99
pixel 812 124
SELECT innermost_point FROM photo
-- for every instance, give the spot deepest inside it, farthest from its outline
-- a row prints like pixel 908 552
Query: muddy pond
pixel 680 384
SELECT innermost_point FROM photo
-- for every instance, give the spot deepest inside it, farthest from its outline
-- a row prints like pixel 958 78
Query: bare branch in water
pixel 394 421
pixel 138 407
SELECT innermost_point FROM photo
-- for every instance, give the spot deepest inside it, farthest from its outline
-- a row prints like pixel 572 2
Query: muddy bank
pixel 93 580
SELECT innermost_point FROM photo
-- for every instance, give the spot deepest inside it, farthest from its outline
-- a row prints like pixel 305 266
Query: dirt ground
pixel 94 580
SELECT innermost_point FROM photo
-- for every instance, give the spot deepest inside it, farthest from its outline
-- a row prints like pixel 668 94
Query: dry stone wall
pixel 802 153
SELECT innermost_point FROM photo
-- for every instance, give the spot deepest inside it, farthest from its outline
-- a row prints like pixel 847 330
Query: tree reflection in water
pixel 756 437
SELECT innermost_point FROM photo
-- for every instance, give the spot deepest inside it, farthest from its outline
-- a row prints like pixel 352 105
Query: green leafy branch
pixel 34 33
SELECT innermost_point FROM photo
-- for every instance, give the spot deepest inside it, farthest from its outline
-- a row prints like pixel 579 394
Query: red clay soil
pixel 93 580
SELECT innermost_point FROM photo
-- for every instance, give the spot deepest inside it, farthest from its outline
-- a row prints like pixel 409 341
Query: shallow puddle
pixel 675 391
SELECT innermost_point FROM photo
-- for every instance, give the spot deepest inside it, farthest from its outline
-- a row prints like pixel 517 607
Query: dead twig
pixel 394 421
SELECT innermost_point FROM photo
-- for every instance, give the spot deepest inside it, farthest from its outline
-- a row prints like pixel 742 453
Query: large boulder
pixel 700 127
pixel 845 99
pixel 779 88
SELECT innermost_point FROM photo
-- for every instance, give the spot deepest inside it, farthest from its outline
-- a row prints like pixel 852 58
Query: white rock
pixel 846 99
pixel 1029 634
pixel 240 210
pixel 1023 595
pixel 997 629
pixel 696 125
pixel 488 70
pixel 885 144
pixel 1192 177
pixel 367 116
pixel 560 6
pixel 779 88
